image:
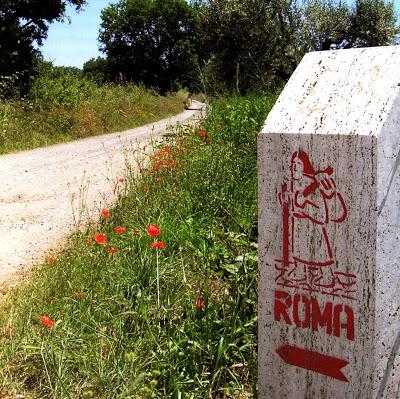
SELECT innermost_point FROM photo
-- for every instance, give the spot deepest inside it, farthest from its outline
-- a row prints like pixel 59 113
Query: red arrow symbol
pixel 314 361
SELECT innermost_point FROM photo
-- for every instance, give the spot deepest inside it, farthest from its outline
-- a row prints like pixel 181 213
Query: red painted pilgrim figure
pixel 310 205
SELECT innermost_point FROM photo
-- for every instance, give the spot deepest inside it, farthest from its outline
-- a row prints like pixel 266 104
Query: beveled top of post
pixel 351 91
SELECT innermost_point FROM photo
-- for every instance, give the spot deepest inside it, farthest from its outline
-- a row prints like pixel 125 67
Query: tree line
pixel 203 45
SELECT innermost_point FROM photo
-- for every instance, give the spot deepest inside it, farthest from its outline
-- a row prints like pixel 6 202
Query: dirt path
pixel 43 189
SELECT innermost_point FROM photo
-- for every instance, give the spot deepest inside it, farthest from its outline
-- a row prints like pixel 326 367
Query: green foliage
pixel 98 70
pixel 114 341
pixel 257 44
pixel 326 23
pixel 22 23
pixel 335 25
pixel 61 89
pixel 63 105
pixel 253 42
pixel 151 42
pixel 236 46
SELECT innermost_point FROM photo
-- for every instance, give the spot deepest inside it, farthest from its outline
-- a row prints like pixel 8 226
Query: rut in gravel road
pixel 43 190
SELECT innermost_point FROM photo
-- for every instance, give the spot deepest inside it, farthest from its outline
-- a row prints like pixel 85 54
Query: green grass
pixel 68 108
pixel 111 338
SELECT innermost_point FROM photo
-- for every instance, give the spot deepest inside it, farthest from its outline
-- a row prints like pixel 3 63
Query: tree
pixel 257 44
pixel 337 25
pixel 152 42
pixel 97 69
pixel 23 23
pixel 254 43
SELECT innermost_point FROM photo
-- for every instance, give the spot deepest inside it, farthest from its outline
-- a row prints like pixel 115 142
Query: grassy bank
pixel 65 108
pixel 127 311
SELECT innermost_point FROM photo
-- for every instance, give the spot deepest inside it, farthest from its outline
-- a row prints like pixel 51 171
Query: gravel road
pixel 43 189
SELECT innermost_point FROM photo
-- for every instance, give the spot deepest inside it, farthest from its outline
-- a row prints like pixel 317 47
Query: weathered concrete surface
pixel 329 230
pixel 43 190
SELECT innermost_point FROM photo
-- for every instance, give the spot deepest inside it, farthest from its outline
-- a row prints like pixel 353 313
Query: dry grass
pixel 27 124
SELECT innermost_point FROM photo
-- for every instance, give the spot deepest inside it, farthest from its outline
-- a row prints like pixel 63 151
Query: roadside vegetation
pixel 158 299
pixel 63 105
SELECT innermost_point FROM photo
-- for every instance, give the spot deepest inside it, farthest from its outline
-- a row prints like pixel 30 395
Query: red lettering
pixel 296 317
pixel 306 312
pixel 348 325
pixel 322 319
pixel 281 308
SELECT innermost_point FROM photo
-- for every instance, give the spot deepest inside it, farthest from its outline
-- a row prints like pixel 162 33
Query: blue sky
pixel 73 44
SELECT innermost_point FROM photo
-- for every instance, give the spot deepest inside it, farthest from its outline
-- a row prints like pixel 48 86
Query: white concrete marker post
pixel 329 230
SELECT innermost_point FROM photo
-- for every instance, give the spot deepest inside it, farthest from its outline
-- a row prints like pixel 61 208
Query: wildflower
pixel 157 244
pixel 105 213
pixel 100 239
pixel 51 298
pixel 202 133
pixel 200 304
pixel 153 230
pixel 137 233
pixel 112 250
pixel 208 140
pixel 120 230
pixel 121 180
pixel 146 187
pixel 46 321
pixel 167 150
pixel 157 165
pixel 159 154
pixel 171 164
pixel 79 294
pixel 51 259
pixel 158 179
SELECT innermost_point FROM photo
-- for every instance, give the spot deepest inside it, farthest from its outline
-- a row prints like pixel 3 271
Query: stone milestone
pixel 329 230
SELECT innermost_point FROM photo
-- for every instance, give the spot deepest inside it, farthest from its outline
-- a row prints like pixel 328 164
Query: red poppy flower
pixel 167 150
pixel 202 133
pixel 105 213
pixel 121 180
pixel 171 164
pixel 112 250
pixel 51 259
pixel 46 321
pixel 100 239
pixel 157 165
pixel 79 294
pixel 153 230
pixel 208 140
pixel 146 187
pixel 137 233
pixel 200 304
pixel 120 230
pixel 159 154
pixel 157 244
pixel 158 179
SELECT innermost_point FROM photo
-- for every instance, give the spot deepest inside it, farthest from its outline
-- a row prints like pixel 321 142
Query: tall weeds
pixel 149 321
pixel 67 107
